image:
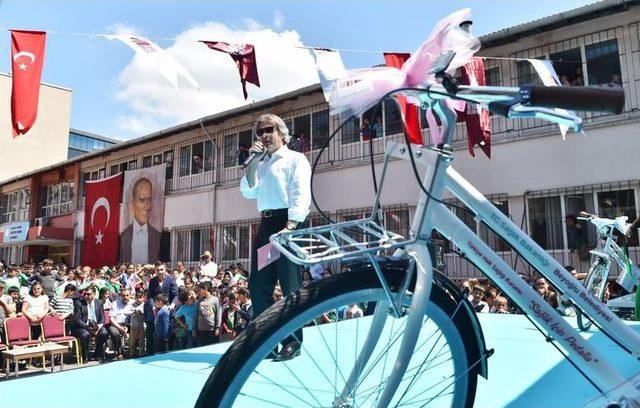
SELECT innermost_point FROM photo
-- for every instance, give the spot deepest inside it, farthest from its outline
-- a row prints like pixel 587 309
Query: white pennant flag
pixel 164 63
pixel 549 77
pixel 330 67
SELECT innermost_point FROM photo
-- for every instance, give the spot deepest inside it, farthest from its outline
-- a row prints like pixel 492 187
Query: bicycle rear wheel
pixel 438 374
pixel 596 283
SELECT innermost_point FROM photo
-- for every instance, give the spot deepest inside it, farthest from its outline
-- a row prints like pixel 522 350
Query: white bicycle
pixel 423 346
pixel 604 255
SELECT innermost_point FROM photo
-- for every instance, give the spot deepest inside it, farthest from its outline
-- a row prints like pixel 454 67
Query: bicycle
pixel 606 252
pixel 422 321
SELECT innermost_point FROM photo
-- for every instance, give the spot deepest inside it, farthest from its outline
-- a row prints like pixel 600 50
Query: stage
pixel 525 371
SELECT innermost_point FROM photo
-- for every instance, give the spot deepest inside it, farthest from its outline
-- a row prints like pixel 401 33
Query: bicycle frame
pixel 438 176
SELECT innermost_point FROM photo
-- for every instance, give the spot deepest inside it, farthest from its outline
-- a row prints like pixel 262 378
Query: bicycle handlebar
pixel 574 98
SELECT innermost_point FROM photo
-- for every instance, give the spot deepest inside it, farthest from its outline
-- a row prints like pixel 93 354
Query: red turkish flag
pixel 102 221
pixel 478 125
pixel 410 116
pixel 27 58
pixel 245 57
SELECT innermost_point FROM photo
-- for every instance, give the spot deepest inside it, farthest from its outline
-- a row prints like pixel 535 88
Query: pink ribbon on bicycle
pixel 361 89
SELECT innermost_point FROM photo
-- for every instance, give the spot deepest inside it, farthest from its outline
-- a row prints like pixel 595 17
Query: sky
pixel 118 95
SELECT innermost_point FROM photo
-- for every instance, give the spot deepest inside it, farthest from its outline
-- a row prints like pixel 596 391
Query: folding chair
pixel 53 330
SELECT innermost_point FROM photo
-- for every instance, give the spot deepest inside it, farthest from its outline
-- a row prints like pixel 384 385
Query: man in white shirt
pixel 281 184
pixel 208 269
pixel 140 242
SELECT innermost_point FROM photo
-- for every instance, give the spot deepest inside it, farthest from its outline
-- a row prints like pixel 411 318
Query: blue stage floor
pixel 525 371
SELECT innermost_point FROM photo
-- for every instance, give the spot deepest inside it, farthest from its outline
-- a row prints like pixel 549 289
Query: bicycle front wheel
pixel 438 375
pixel 596 282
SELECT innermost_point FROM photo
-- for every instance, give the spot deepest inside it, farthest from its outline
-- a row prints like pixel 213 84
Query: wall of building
pixel 46 143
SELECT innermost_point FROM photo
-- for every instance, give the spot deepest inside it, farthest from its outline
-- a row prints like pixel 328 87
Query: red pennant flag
pixel 409 111
pixel 27 58
pixel 478 125
pixel 245 57
pixel 102 221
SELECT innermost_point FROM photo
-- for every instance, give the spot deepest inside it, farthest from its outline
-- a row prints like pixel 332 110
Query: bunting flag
pixel 477 119
pixel 161 61
pixel 410 115
pixel 549 77
pixel 102 221
pixel 244 56
pixel 27 59
pixel 330 67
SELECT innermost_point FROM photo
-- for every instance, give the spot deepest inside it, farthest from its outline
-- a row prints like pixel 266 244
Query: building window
pixel 57 199
pixel 231 150
pixel 15 206
pixel 545 221
pixel 168 158
pixel 302 132
pixel 190 243
pixel 133 164
pixel 245 140
pixel 320 128
pixel 486 234
pixel 146 162
pixel 235 243
pixel 196 158
pixel 350 132
pixel 492 76
pixel 372 126
pixel 392 118
pixel 568 66
pixel 612 204
pixel 603 63
pixel 397 220
pixel 526 74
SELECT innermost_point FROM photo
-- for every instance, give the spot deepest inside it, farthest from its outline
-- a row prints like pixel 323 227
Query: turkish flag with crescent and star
pixel 245 57
pixel 27 58
pixel 102 221
pixel 410 116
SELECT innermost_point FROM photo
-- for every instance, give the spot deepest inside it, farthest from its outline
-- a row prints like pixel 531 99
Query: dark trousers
pixel 83 336
pixel 149 332
pixel 115 336
pixel 160 344
pixel 207 337
pixel 263 282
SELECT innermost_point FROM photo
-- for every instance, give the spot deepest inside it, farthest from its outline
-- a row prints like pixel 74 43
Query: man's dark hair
pixel 183 295
pixel 138 183
pixel 569 268
pixel 244 292
pixel 162 298
pixel 13 289
pixel 70 287
pixel 230 296
pixel 158 263
pixel 206 285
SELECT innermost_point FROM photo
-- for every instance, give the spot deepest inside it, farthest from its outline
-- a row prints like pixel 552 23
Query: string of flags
pixel 353 90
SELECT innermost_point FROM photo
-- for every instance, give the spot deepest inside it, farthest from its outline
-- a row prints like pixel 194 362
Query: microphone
pixel 252 157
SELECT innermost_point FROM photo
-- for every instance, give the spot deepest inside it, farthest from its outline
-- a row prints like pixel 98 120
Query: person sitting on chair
pixel 88 316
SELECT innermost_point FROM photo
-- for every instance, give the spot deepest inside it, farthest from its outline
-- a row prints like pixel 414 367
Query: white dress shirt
pixel 208 271
pixel 140 243
pixel 282 181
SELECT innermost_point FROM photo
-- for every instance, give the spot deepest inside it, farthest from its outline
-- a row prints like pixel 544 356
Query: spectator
pixel 303 142
pixel 226 282
pixel 229 319
pixel 136 325
pixel 132 280
pixel 326 273
pixel 47 277
pixel 8 306
pixel 149 320
pixel 353 311
pixel 477 294
pixel 62 305
pixel 501 305
pixel 161 324
pixel 35 307
pixel 243 153
pixel 176 276
pixel 162 283
pixel 209 316
pixel 542 287
pixel 316 271
pixel 306 278
pixel 208 269
pixel 365 129
pixel 121 311
pixel 88 319
pixel 245 312
pixel 15 278
pixel 377 129
pixel 186 319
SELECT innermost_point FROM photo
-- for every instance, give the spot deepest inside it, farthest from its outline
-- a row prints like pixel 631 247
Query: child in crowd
pixel 162 324
pixel 136 329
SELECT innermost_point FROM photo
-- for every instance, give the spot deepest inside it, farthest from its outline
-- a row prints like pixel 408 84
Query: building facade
pixel 534 176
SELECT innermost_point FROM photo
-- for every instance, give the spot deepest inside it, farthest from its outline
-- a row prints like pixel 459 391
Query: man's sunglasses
pixel 268 130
